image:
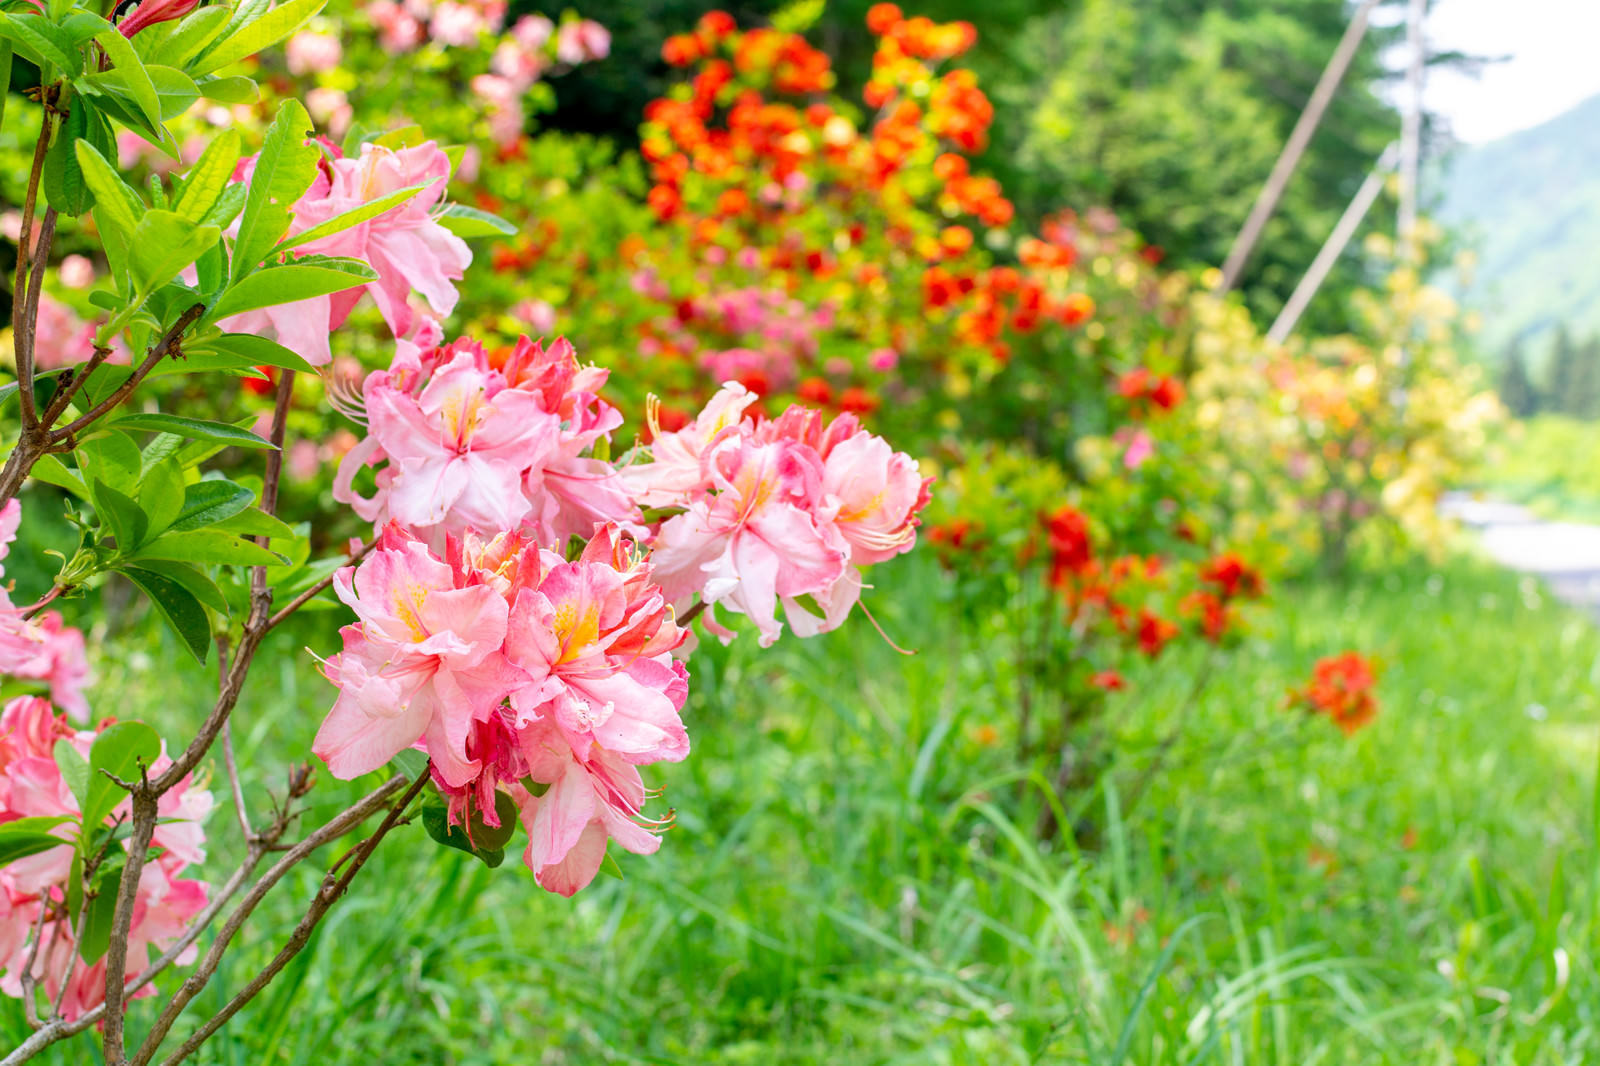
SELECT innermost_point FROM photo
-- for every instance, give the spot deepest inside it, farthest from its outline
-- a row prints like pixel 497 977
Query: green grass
pixel 1551 463
pixel 852 878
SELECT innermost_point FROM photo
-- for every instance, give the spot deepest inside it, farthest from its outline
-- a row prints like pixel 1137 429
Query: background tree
pixel 1561 371
pixel 1517 390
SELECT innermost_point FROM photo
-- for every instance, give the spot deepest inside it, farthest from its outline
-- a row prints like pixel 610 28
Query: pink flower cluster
pixel 31 785
pixel 511 667
pixel 532 47
pixel 470 441
pixel 775 512
pixel 41 648
pixel 522 659
pixel 406 246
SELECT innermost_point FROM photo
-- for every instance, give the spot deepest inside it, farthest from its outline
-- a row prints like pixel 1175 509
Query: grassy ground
pixel 852 879
pixel 1552 464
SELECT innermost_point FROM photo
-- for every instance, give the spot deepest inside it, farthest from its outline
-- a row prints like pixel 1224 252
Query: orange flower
pixel 1341 687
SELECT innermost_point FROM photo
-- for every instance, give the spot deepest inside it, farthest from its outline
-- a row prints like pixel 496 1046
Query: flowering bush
pixel 1342 688
pixel 523 604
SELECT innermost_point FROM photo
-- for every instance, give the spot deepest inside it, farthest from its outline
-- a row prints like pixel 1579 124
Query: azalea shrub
pixel 526 572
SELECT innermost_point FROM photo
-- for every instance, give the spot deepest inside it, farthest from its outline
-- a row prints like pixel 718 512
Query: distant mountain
pixel 1529 204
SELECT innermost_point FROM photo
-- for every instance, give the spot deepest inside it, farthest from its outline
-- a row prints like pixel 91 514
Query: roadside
pixel 1565 554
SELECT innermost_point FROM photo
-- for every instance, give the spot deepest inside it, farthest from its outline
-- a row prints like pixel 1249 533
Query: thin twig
pixel 164 347
pixel 227 749
pixel 311 593
pixel 144 799
pixel 30 1005
pixel 19 288
pixel 692 613
pixel 196 982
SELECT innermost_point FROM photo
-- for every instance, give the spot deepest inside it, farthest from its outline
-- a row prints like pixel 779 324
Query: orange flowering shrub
pixel 1342 687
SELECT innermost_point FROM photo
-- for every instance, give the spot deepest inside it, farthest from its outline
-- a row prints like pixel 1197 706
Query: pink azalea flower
pixel 31 785
pixel 424 662
pixel 312 52
pixel 406 246
pixel 42 648
pixel 675 474
pixel 756 540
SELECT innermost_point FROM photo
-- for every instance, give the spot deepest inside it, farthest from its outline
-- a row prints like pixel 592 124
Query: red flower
pixel 1154 632
pixel 1108 681
pixel 1071 552
pixel 1341 687
pixel 1233 577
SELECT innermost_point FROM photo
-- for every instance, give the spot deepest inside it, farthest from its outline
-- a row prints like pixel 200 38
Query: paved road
pixel 1565 554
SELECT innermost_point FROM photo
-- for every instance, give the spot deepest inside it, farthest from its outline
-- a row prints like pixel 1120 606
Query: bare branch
pixel 30 1005
pixel 329 893
pixel 315 590
pixel 19 287
pixel 163 348
pixel 144 800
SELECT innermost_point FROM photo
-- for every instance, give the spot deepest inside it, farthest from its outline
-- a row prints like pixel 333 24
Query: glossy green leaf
pixel 63 179
pixel 252 350
pixel 292 283
pixel 6 52
pixel 266 30
pixel 126 60
pixel 123 750
pixel 284 170
pixel 198 584
pixel 477 837
pixel 206 503
pixel 21 845
pixel 116 204
pixel 209 176
pixel 232 90
pixel 192 428
pixel 348 219
pixel 163 244
pixel 178 607
pixel 122 514
pixel 41 41
pixel 175 91
pixel 197 29
pixel 74 770
pixel 161 496
pixel 209 546
pixel 469 222
pixel 256 523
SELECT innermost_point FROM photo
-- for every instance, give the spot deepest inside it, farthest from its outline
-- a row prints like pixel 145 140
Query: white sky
pixel 1554 47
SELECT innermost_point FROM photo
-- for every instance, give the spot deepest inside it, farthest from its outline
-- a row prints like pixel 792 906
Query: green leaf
pixel 121 750
pixel 609 867
pixel 175 91
pixel 412 763
pixel 116 204
pixel 283 172
pixel 102 908
pixel 477 838
pixel 209 546
pixel 74 770
pixel 162 496
pixel 206 503
pixel 232 90
pixel 257 523
pixel 41 41
pixel 292 283
pixel 21 845
pixel 252 350
pixel 348 219
pixel 178 607
pixel 8 391
pixel 111 458
pixel 261 32
pixel 126 60
pixel 197 584
pixel 53 471
pixel 209 176
pixel 127 522
pixel 227 207
pixel 192 428
pixel 468 222
pixel 63 180
pixel 198 29
pixel 163 245
pixel 5 76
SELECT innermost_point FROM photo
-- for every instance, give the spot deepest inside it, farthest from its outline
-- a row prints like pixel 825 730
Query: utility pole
pixel 1332 248
pixel 1289 158
pixel 1411 122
